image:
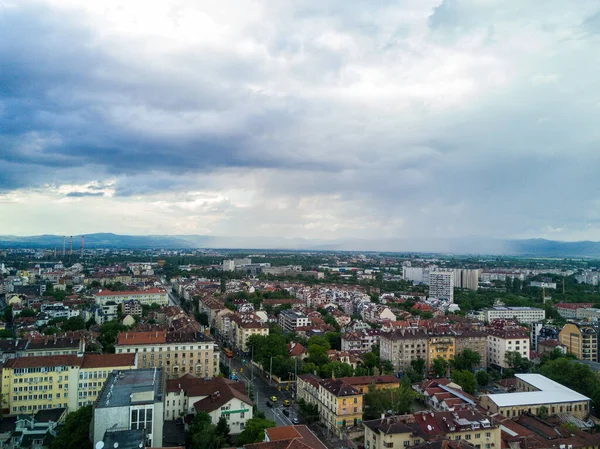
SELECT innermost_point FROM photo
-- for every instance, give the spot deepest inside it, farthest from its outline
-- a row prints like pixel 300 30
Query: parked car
pixel 286 403
pixel 269 404
pixel 295 421
pixel 179 422
pixel 273 398
pixel 285 412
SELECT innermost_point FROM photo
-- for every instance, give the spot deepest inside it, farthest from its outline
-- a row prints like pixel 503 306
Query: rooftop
pixel 550 392
pixel 129 293
pixel 124 388
pixel 107 360
pixel 142 338
pixel 43 361
pixel 124 439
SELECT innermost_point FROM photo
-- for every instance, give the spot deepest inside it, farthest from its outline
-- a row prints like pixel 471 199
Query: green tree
pixel 466 380
pixel 440 366
pixel 388 367
pixel 73 324
pixel 26 313
pixel 202 434
pixel 466 360
pixel 515 361
pixel 5 333
pixel 254 432
pixel 543 412
pixel 75 433
pixel 482 377
pixel 399 400
pixel 418 365
pixel 223 428
pixel 108 335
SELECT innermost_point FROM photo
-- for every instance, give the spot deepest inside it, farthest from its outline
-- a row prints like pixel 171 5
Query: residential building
pixel 228 265
pixel 581 339
pixel 288 437
pixel 536 391
pixel 440 345
pixel 590 314
pixel 178 353
pixel 502 340
pixel 340 406
pixel 103 313
pixel 403 346
pixel 150 296
pixel 549 285
pixel 131 400
pixel 131 307
pixel 525 315
pixel 362 383
pixel 417 275
pixel 35 431
pixel 441 285
pixel 467 425
pixel 444 395
pixel 30 384
pixel 53 345
pixel 466 278
pixel 290 320
pixel 476 341
pixel 569 310
pixel 243 327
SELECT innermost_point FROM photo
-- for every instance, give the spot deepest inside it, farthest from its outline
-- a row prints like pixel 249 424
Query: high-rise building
pixel 441 285
pixel 580 339
pixel 466 278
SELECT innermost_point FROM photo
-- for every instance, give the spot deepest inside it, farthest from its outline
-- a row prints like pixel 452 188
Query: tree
pixel 543 412
pixel 515 360
pixel 202 434
pixel 223 428
pixel 108 335
pixel 73 324
pixel 388 367
pixel 466 380
pixel 309 412
pixel 483 378
pixel 440 366
pixel 466 360
pixel 418 366
pixel 26 313
pixel 254 432
pixel 75 433
pixel 398 400
pixel 202 318
pixel 5 333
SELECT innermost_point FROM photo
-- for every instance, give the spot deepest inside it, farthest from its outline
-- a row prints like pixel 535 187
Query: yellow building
pixel 411 430
pixel 340 406
pixel 581 340
pixel 30 384
pixel 442 345
pixel 243 328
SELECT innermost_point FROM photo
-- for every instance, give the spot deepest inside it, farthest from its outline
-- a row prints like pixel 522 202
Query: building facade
pixel 177 353
pixel 441 285
pixel 580 339
pixel 501 341
pixel 521 314
pixel 150 296
pixel 403 346
pixel 289 320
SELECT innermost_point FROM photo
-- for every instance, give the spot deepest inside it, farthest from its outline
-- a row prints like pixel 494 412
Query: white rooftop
pixel 550 393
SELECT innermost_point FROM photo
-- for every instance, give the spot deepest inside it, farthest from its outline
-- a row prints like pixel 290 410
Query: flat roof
pixel 120 387
pixel 550 393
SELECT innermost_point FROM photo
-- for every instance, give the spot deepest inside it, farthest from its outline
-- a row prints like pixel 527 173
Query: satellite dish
pixel 116 445
pixel 100 445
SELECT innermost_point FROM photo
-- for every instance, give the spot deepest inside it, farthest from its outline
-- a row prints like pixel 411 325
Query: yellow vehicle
pixel 286 403
pixel 274 398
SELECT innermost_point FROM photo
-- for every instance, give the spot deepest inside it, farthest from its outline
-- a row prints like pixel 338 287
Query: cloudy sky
pixel 314 118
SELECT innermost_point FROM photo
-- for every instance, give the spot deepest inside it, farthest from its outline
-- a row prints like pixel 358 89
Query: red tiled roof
pixel 41 361
pixel 128 293
pixel 107 360
pixel 142 338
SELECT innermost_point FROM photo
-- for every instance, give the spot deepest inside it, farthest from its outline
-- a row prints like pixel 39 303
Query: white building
pixel 508 339
pixel 521 314
pixel 417 275
pixel 441 285
pixel 217 396
pixel 289 320
pixel 549 285
pixel 153 295
pixel 228 265
pixel 466 278
pixel 131 400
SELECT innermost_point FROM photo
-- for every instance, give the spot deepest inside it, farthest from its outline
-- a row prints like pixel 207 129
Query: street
pixel 263 391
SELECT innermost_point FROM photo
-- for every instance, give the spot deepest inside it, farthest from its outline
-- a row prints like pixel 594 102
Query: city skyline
pixel 321 120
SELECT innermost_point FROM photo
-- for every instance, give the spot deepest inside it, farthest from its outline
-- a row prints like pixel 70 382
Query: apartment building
pixel 441 285
pixel 475 341
pixel 178 353
pixel 466 278
pixel 340 406
pixel 403 346
pixel 242 327
pixel 467 425
pixel 440 345
pixel 502 340
pixel 536 391
pixel 30 384
pixel 219 397
pixel 131 307
pixel 290 320
pixel 569 310
pixel 150 296
pixel 580 339
pixel 360 341
pixel 131 400
pixel 521 314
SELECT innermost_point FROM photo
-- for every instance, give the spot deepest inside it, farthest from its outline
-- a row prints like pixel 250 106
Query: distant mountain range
pixel 529 247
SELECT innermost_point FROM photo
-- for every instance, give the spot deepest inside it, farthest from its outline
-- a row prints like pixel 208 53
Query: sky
pixel 316 119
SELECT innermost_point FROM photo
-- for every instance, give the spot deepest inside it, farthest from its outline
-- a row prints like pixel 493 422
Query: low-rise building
pixel 131 400
pixel 506 339
pixel 413 430
pixel 534 392
pixel 35 431
pixel 132 307
pixel 148 297
pixel 242 327
pixel 340 406
pixel 402 346
pixel 521 314
pixel 178 353
pixel 290 320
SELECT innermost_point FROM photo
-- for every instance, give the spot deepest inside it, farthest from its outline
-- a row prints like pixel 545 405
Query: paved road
pixel 263 391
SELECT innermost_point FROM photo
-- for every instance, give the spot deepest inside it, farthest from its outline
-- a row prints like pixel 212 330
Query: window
pixel 488 434
pixel 468 436
pixel 477 435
